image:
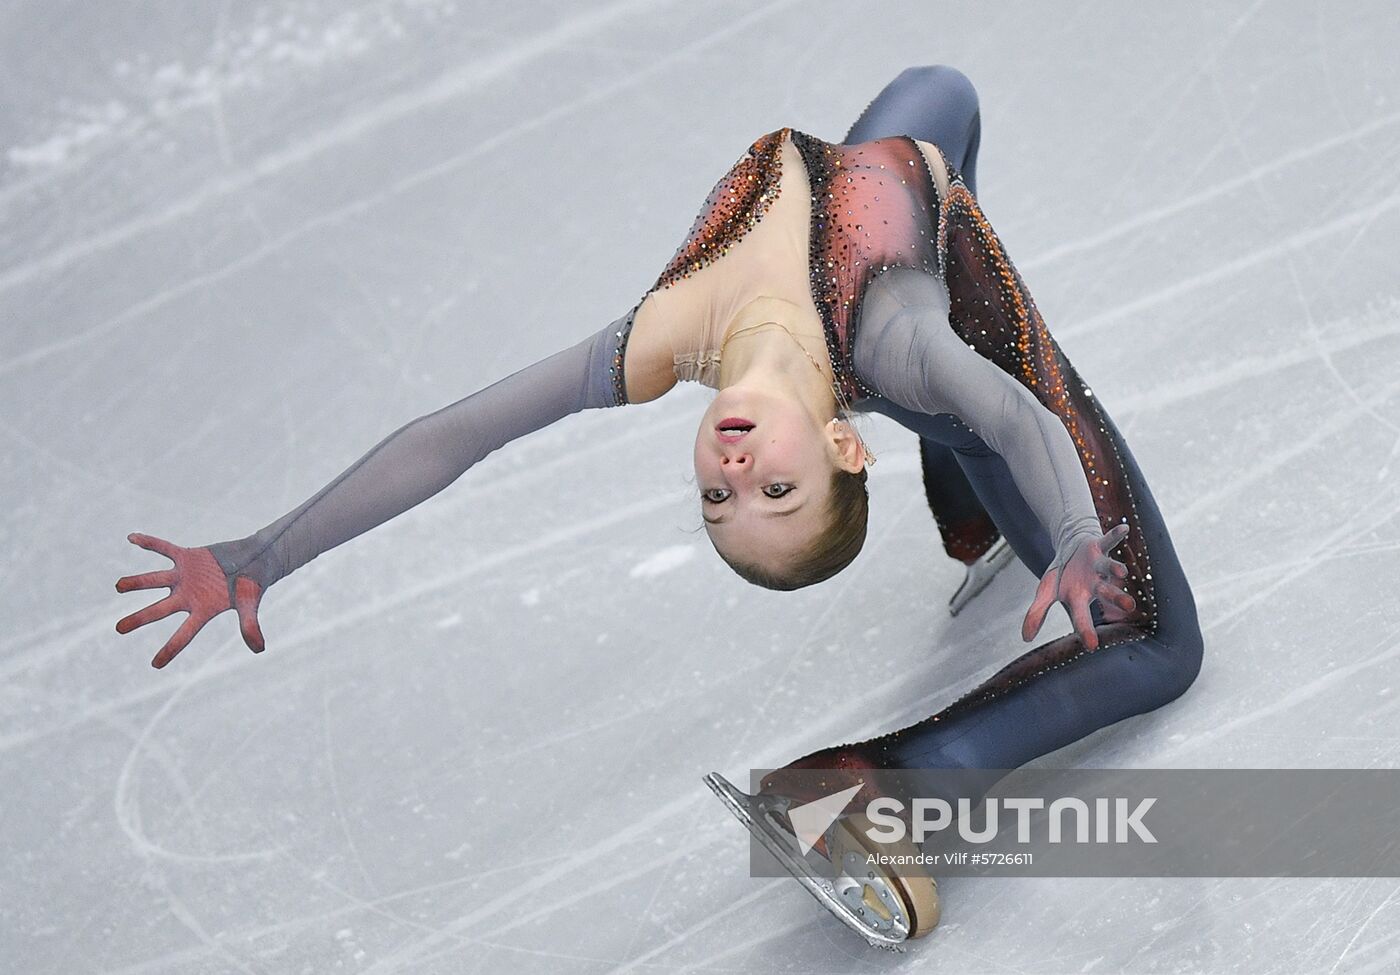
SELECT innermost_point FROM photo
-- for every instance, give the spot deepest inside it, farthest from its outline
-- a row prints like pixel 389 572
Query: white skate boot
pixel 887 905
pixel 980 574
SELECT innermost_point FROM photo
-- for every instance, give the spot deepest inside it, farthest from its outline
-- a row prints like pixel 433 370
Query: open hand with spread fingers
pixel 1089 574
pixel 199 587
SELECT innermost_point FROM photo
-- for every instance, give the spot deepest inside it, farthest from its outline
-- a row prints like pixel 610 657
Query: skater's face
pixel 764 468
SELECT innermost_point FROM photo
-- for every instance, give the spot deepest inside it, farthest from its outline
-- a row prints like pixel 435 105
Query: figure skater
pixel 820 280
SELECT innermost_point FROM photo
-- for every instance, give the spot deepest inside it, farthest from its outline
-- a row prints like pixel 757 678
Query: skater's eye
pixel 715 495
pixel 777 490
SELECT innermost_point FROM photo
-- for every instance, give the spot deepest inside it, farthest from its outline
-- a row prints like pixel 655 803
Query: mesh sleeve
pixel 426 455
pixel 907 351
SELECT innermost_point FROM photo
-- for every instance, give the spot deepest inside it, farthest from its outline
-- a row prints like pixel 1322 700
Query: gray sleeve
pixel 425 456
pixel 908 353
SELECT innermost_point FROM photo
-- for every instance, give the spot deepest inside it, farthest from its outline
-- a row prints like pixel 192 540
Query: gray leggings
pixel 1058 692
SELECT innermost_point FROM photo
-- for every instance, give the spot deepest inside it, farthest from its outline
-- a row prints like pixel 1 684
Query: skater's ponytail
pixel 834 548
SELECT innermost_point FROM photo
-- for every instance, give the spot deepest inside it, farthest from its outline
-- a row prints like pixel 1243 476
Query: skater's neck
pixel 770 346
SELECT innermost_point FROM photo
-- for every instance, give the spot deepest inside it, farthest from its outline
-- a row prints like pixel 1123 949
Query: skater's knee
pixel 1179 627
pixel 1189 653
pixel 1177 662
pixel 950 84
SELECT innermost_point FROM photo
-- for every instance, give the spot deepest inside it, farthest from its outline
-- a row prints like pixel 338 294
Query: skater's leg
pixel 967 530
pixel 1059 692
pixel 986 483
pixel 998 495
pixel 933 103
pixel 993 483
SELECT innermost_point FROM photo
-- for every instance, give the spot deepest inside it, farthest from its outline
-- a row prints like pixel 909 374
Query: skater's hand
pixel 1089 574
pixel 197 586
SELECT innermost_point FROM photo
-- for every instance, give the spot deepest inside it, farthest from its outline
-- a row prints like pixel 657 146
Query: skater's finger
pixel 1112 594
pixel 153 544
pixel 1083 623
pixel 1113 567
pixel 1106 566
pixel 164 579
pixel 246 596
pixel 1035 618
pixel 1114 536
pixel 158 610
pixel 1044 599
pixel 178 640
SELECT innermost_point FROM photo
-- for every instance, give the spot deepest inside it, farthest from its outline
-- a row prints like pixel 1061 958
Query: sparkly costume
pixel 926 320
pixel 857 217
pixel 906 282
pixel 1058 692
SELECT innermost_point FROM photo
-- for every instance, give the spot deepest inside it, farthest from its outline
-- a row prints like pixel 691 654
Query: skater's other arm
pixel 407 467
pixel 907 351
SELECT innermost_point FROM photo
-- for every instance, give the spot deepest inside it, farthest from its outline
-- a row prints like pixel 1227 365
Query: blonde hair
pixel 831 551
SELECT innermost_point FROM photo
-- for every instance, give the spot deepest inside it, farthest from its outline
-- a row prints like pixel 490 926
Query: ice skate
pixel 980 574
pixel 885 905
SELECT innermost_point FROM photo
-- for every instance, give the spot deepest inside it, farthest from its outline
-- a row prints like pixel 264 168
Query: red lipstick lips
pixel 732 429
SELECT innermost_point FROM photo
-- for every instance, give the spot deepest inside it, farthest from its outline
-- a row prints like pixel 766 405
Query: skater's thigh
pixel 989 476
pixel 1177 622
pixel 991 479
pixel 1043 711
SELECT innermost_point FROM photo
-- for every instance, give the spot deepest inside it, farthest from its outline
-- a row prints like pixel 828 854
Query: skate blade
pixel 883 921
pixel 980 575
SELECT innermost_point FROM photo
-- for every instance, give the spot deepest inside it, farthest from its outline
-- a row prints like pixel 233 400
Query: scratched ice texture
pixel 240 242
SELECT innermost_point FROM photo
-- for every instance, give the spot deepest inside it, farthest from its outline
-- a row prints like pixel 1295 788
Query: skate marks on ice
pixel 468 80
pixel 395 108
pixel 258 815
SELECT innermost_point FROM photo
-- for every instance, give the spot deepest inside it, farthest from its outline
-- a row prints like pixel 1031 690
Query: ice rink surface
pixel 239 243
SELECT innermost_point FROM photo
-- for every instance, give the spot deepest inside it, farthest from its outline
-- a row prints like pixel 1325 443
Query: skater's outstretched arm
pixel 407 467
pixel 908 352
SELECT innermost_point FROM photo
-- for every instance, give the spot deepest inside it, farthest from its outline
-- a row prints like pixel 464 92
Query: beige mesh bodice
pixel 757 219
pixel 796 219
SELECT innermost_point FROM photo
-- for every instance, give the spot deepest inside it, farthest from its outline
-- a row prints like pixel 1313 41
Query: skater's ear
pixel 847 448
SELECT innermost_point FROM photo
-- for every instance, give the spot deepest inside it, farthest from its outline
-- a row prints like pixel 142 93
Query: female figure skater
pixel 819 279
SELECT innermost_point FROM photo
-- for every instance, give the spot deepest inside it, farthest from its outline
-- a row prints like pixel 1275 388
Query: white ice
pixel 241 242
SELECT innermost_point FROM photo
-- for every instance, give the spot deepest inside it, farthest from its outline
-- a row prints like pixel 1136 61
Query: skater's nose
pixel 736 463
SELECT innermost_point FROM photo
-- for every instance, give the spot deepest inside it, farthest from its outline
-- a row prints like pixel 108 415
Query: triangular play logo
pixel 811 819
